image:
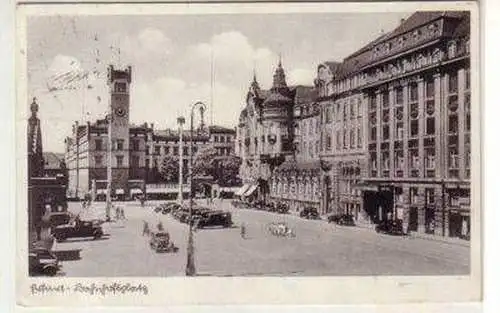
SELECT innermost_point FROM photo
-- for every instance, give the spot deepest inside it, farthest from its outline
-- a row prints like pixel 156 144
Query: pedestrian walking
pixel 160 226
pixel 117 213
pixel 122 213
pixel 145 228
pixel 243 231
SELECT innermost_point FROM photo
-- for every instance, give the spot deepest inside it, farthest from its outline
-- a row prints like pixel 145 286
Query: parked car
pixel 160 242
pixel 342 219
pixel 77 229
pixel 54 219
pixel 43 262
pixel 282 208
pixel 215 218
pixel 310 213
pixel 391 227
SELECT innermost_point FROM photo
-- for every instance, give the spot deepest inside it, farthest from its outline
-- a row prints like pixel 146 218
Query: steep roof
pixel 304 94
pixel 333 65
pixel 52 160
pixel 362 57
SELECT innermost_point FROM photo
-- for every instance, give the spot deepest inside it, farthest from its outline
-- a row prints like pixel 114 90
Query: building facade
pixel 274 144
pixel 137 151
pixel 405 153
pixel 384 134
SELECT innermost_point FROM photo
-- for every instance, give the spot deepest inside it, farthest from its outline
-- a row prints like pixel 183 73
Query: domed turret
pixel 280 93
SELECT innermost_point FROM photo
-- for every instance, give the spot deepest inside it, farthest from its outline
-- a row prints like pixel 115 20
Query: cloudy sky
pixel 170 56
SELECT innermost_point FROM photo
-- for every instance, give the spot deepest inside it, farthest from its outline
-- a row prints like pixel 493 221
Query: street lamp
pixel 190 267
pixel 180 121
pixel 109 119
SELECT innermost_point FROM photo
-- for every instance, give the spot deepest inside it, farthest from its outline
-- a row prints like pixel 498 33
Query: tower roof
pixel 34 107
pixel 279 79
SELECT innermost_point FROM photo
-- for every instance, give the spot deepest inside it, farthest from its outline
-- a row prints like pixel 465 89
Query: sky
pixel 173 58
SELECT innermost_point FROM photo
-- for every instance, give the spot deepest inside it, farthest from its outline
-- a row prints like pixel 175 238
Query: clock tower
pixel 119 108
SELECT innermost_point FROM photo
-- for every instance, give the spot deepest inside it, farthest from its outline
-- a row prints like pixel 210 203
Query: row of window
pixel 222 138
pixel 345 139
pixel 134 160
pixel 413 91
pixel 170 150
pixel 351 111
pixel 118 145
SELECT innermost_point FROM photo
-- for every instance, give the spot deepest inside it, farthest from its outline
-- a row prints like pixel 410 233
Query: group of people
pixel 119 213
pixel 146 230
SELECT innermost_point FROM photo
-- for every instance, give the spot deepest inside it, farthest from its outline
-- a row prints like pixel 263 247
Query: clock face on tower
pixel 120 112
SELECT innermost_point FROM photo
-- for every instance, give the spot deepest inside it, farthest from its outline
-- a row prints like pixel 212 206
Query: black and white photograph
pixel 250 144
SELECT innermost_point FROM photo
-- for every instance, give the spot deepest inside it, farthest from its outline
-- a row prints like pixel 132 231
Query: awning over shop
pixel 242 190
pixel 120 192
pixel 156 190
pixel 365 187
pixel 135 191
pixel 250 191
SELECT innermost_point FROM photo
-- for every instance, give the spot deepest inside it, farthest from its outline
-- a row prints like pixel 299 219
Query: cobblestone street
pixel 318 249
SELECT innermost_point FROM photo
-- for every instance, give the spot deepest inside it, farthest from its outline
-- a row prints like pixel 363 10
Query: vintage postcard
pixel 248 153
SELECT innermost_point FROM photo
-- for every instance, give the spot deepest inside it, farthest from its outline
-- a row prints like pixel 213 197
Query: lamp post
pixel 109 119
pixel 180 122
pixel 190 267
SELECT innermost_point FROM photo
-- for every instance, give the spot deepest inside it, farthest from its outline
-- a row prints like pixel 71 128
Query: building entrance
pixel 378 205
pixel 413 219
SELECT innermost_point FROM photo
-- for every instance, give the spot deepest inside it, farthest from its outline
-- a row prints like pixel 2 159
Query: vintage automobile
pixel 54 219
pixel 342 219
pixel 390 227
pixel 310 213
pixel 77 229
pixel 282 208
pixel 43 262
pixel 160 242
pixel 214 218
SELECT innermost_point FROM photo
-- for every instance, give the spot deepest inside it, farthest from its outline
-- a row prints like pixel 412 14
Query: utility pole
pixel 109 170
pixel 181 121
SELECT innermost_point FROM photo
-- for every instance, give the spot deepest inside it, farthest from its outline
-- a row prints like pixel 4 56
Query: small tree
pixel 169 168
pixel 228 169
pixel 204 162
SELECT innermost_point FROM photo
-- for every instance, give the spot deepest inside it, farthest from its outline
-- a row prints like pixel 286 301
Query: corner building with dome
pixel 383 134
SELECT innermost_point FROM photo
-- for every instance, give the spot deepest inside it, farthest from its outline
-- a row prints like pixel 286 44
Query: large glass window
pixel 98 144
pixel 98 160
pixel 119 161
pixel 399 95
pixel 429 88
pixel 453 82
pixel 119 144
pixel 413 92
pixel 430 127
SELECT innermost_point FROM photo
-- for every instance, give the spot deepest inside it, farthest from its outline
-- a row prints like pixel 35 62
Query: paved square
pixel 318 249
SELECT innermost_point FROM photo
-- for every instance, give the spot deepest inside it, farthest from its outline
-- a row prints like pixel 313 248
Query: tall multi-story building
pixel 396 126
pixel 394 131
pixel 137 150
pixel 417 85
pixel 269 144
pixel 342 148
